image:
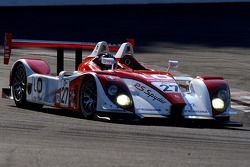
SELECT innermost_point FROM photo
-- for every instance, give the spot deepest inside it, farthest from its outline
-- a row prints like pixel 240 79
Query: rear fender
pixel 31 66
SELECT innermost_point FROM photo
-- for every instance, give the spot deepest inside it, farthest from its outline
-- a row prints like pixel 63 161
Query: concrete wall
pixel 202 24
pixel 101 2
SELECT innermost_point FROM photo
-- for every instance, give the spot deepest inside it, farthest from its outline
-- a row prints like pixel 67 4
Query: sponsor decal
pixel 196 111
pixel 37 85
pixel 149 109
pixel 148 93
pixel 190 109
pixel 152 109
pixel 169 87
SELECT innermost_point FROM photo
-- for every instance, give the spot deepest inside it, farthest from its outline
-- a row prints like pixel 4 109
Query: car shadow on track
pixel 56 111
pixel 180 123
pixel 136 122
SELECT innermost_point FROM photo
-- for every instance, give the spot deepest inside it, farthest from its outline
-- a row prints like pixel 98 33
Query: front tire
pixel 88 99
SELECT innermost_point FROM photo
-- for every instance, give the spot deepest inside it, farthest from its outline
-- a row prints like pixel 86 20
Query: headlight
pixel 119 94
pixel 218 104
pixel 123 100
pixel 221 101
pixel 112 90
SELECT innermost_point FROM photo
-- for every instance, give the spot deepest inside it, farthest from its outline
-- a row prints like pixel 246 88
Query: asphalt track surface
pixel 54 137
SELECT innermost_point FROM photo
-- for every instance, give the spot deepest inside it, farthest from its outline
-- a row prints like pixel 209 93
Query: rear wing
pixel 10 43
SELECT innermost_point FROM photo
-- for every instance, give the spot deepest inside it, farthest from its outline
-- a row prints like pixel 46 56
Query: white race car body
pixel 120 84
pixel 149 92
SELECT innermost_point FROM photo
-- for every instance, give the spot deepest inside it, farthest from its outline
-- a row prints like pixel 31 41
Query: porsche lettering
pixel 148 93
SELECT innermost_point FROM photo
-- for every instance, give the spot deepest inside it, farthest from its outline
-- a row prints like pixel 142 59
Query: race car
pixel 107 84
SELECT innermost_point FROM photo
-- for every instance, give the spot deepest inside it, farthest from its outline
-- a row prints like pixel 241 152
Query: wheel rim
pixel 88 97
pixel 19 81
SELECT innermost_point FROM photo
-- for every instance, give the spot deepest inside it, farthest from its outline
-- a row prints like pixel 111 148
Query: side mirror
pixel 172 64
pixel 108 61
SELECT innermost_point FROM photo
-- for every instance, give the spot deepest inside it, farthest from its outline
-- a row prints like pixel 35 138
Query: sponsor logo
pixel 37 85
pixel 190 109
pixel 149 93
pixel 149 109
pixel 196 111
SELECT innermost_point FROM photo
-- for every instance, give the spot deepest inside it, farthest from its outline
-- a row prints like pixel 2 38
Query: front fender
pixel 215 84
pixel 104 103
pixel 197 100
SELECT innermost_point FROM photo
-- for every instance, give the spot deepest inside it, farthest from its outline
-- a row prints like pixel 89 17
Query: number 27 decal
pixel 169 88
pixel 64 95
pixel 64 92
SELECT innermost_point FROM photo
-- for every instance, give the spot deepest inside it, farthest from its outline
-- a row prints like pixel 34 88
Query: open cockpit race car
pixel 118 84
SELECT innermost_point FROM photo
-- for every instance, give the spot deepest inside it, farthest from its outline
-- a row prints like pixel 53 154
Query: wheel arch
pixel 31 66
pixel 87 113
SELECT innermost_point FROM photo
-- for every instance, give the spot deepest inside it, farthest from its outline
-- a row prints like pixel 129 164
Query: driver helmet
pixel 105 66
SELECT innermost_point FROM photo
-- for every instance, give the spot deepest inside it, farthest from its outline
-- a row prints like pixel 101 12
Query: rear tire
pixel 88 99
pixel 19 85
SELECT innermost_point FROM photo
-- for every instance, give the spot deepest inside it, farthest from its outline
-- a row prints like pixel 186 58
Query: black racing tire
pixel 88 99
pixel 19 82
pixel 19 85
